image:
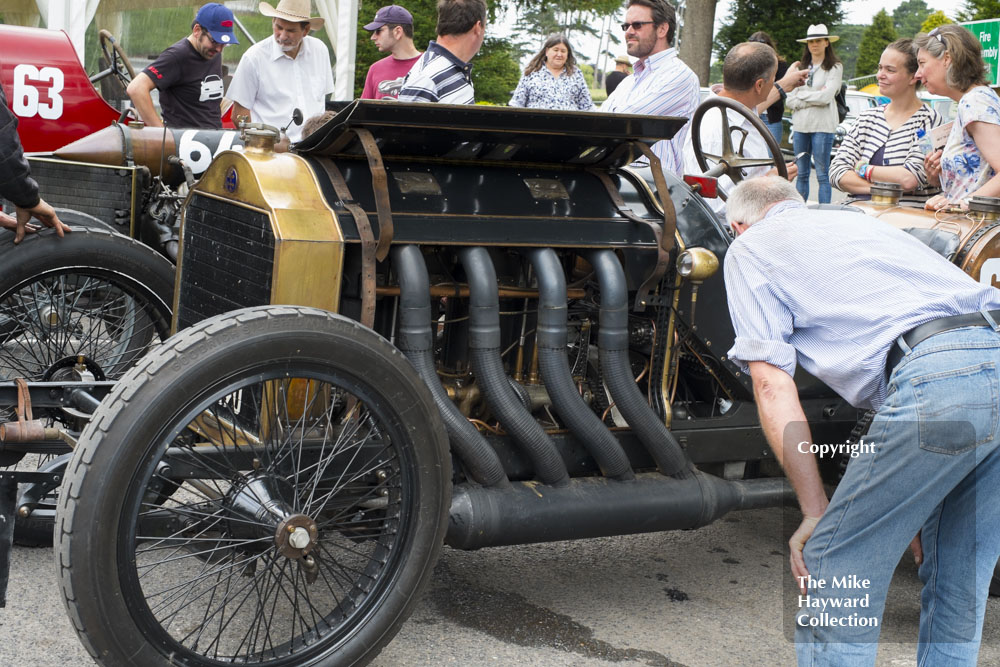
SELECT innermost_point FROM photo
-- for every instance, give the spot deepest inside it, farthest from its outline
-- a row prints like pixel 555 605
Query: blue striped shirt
pixel 832 290
pixel 662 85
pixel 439 76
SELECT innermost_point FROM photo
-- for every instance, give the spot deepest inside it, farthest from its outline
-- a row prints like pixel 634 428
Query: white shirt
pixel 711 142
pixel 662 85
pixel 271 85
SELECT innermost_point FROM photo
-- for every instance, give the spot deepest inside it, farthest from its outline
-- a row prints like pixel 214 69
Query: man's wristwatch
pixel 781 91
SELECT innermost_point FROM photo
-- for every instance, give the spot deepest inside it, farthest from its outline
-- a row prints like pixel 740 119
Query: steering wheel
pixel 119 64
pixel 732 162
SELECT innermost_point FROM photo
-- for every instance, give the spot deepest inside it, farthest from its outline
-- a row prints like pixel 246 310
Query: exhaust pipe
pixel 416 340
pixel 613 343
pixel 550 337
pixel 597 507
pixel 484 355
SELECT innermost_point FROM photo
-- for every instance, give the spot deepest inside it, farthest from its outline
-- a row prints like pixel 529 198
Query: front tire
pixel 240 430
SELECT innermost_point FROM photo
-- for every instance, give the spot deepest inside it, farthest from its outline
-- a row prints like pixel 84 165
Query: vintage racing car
pixel 427 326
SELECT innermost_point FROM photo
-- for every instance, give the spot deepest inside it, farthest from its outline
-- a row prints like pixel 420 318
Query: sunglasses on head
pixel 936 33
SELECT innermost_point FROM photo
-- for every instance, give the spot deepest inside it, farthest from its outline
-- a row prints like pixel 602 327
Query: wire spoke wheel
pixel 284 512
pixel 286 520
pixel 61 316
pixel 82 308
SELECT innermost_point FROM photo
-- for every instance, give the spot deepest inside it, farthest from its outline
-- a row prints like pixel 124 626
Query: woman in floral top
pixel 951 64
pixel 552 80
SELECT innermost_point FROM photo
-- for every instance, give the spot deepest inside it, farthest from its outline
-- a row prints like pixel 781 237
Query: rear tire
pixel 360 451
pixel 94 294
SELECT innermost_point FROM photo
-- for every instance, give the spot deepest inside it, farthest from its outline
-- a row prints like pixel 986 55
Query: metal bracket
pixel 380 186
pixel 368 247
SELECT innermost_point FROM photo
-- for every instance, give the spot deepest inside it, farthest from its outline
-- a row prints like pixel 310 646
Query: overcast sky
pixel 861 11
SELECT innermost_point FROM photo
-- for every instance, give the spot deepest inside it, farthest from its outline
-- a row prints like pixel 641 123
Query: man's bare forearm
pixel 785 427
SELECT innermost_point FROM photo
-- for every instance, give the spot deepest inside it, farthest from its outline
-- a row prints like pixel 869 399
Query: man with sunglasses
pixel 392 31
pixel 188 75
pixel 661 84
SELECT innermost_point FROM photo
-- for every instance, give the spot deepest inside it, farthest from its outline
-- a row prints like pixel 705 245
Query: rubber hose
pixel 416 340
pixel 551 338
pixel 484 355
pixel 613 343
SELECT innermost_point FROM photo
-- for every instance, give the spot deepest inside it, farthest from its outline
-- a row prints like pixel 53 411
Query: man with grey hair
pixel 892 326
pixel 748 78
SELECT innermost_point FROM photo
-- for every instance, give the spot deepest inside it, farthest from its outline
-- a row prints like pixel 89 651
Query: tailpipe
pixel 598 507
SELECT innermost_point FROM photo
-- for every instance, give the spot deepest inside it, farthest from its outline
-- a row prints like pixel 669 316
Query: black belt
pixel 922 332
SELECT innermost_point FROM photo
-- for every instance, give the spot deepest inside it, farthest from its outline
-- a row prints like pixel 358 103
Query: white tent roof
pixel 74 16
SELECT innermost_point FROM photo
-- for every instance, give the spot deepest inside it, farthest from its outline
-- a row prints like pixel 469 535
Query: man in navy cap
pixel 188 75
pixel 392 31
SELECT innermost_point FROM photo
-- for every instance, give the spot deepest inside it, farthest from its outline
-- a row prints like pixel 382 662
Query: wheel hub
pixel 77 368
pixel 296 536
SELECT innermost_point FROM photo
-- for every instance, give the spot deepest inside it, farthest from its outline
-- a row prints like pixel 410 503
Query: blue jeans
pixel 818 146
pixel 775 129
pixel 935 468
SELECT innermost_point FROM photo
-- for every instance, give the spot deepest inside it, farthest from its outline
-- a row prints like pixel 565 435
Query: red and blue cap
pixel 218 21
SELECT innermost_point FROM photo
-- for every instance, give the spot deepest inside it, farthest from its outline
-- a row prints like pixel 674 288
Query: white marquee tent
pixel 74 16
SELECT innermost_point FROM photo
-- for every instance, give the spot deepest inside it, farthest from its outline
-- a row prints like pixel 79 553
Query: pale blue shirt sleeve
pixel 763 323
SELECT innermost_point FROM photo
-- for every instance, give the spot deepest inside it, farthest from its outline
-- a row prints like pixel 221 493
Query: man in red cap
pixel 188 75
pixel 392 31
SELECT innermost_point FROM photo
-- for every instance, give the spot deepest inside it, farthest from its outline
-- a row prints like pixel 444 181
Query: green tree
pixel 934 20
pixel 976 10
pixel 908 17
pixel 878 35
pixel 785 20
pixel 495 71
pixel 847 46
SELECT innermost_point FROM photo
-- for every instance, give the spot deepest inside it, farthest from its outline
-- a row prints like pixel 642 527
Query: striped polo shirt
pixel 439 77
pixel 832 290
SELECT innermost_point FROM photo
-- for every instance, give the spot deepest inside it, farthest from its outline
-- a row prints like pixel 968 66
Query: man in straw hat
pixel 623 67
pixel 188 75
pixel 291 71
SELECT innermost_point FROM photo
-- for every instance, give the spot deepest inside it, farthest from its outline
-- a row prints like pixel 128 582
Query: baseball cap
pixel 218 21
pixel 391 14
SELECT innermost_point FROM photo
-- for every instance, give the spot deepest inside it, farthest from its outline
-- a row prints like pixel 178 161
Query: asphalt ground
pixel 707 597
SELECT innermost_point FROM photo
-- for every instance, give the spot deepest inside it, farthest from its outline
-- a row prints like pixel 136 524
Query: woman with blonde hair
pixel 951 63
pixel 552 80
pixel 814 110
pixel 882 145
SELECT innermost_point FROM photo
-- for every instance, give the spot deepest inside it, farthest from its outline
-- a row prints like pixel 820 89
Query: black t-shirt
pixel 612 80
pixel 190 87
pixel 776 110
